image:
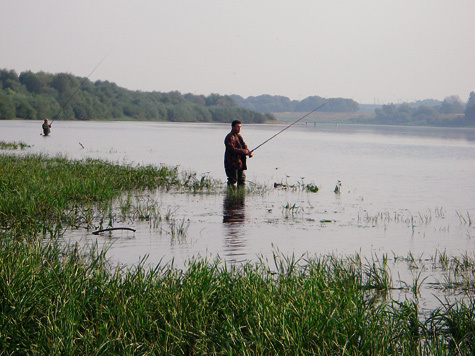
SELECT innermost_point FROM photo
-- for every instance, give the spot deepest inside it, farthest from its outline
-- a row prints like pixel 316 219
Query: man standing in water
pixel 46 127
pixel 235 156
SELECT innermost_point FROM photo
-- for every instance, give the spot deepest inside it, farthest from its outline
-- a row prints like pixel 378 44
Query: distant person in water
pixel 235 156
pixel 46 127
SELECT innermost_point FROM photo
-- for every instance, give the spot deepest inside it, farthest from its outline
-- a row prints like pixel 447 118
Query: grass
pixel 58 299
pixel 13 145
pixel 51 194
pixel 64 301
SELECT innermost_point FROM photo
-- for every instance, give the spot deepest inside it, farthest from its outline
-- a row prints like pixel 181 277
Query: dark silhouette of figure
pixel 46 127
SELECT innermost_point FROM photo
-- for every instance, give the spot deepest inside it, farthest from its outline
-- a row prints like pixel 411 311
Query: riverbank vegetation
pixel 449 113
pixel 278 104
pixel 64 96
pixel 61 96
pixel 41 195
pixel 60 299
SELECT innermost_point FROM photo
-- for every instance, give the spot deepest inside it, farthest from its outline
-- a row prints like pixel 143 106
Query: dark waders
pixel 236 176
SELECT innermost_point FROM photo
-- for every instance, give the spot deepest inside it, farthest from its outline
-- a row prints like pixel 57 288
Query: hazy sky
pixel 368 50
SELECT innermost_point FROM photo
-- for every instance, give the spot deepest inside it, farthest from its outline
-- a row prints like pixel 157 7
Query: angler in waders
pixel 235 156
pixel 46 127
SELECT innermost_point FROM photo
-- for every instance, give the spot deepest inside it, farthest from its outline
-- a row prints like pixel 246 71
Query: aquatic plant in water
pixel 13 145
pixel 299 186
pixel 291 210
pixel 191 181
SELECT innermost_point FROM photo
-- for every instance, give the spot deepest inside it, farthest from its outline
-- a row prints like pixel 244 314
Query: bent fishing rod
pixel 287 127
pixel 77 89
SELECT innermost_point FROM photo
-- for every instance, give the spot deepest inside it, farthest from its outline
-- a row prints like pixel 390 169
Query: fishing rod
pixel 80 86
pixel 293 123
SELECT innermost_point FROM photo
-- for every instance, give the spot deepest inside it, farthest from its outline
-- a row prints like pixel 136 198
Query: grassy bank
pixel 63 300
pixel 67 303
pixel 43 195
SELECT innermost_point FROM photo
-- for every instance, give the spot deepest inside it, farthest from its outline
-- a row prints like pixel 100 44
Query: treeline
pixel 277 103
pixel 450 112
pixel 64 96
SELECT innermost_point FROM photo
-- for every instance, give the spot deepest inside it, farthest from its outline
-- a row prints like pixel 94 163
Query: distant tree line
pixel 277 103
pixel 450 112
pixel 43 95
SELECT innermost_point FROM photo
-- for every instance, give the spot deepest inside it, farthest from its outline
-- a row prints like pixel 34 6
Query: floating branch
pixel 112 229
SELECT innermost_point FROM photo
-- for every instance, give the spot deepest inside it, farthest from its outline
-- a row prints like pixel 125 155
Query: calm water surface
pixel 403 190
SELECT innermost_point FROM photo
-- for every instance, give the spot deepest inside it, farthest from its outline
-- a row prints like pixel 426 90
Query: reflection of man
pixel 233 207
pixel 235 156
pixel 233 222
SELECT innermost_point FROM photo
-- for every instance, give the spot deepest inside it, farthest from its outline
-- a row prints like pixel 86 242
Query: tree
pixel 23 109
pixel 64 96
pixel 405 112
pixel 451 105
pixel 341 105
pixel 202 114
pixel 63 83
pixel 424 112
pixel 180 113
pixel 32 82
pixel 266 103
pixel 7 108
pixel 219 100
pixel 310 103
pixel 195 99
pixel 45 106
pixel 8 78
pixel 388 114
pixel 470 109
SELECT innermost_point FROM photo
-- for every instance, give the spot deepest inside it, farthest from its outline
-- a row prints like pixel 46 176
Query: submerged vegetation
pixel 59 299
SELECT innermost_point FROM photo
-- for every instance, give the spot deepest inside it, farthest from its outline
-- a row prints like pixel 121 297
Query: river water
pixel 405 191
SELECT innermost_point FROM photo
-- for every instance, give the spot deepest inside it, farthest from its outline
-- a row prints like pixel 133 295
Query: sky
pixel 372 51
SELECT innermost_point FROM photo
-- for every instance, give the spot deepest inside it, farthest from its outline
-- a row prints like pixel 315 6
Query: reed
pixel 60 300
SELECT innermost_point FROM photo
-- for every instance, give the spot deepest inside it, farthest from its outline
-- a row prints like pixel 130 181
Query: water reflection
pixel 233 220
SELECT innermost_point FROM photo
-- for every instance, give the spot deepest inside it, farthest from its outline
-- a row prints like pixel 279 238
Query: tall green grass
pixel 65 302
pixel 43 195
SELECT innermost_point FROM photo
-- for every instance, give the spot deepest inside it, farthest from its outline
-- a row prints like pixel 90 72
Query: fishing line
pixel 285 128
pixel 82 83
